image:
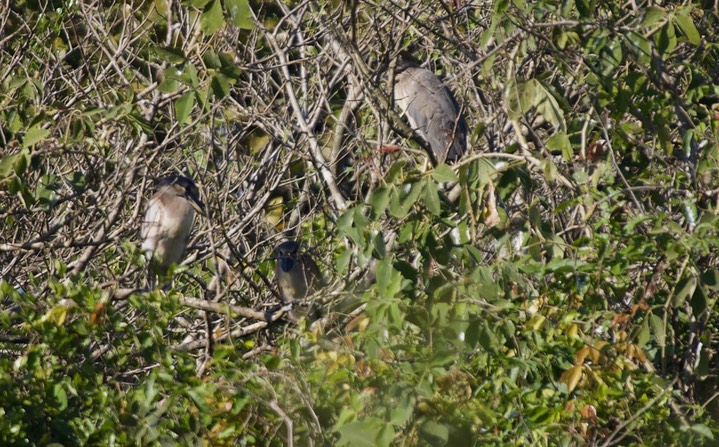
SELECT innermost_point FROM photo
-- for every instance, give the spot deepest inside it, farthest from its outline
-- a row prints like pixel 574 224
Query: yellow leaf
pixel 588 412
pixel 536 322
pixel 581 355
pixel 274 212
pixel 491 216
pixel 57 315
pixel 573 330
pixel 571 377
pixel 639 354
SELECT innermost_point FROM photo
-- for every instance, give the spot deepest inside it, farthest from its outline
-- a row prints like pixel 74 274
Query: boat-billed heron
pixel 168 222
pixel 297 274
pixel 431 110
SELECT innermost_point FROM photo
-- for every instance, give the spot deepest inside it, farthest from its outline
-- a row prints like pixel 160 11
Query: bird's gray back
pixel 432 111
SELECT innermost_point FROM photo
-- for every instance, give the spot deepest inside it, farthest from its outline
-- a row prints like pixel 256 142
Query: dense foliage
pixel 557 286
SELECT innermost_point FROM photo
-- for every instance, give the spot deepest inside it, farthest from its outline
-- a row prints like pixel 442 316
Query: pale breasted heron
pixel 431 110
pixel 168 222
pixel 296 274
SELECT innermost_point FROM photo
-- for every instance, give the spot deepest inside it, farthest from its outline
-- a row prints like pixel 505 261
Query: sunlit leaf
pixel 658 329
pixel 653 15
pixel 361 433
pixel 572 376
pixel 685 23
pixel 220 86
pixel 559 142
pixel 491 215
pixel 431 198
pixel 548 106
pixel 443 173
pixel 183 107
pixel 60 396
pixel 667 39
pixel 585 8
pixel 170 55
pixel 435 432
pixel 703 430
pixel 211 19
pixel 34 135
pixel 240 13
pixel 379 199
pixel 16 163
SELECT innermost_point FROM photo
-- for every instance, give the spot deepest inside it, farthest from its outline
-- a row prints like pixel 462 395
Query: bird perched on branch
pixel 431 110
pixel 168 221
pixel 297 274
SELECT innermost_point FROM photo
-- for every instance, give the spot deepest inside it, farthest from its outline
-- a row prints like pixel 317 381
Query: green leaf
pixel 389 280
pixel 435 433
pixel 644 334
pixel 667 39
pixel 539 415
pixel 379 199
pixel 360 433
pixel 653 15
pixel 190 77
pixel 710 278
pixel 443 173
pixel 170 80
pixel 385 436
pixel 686 24
pixel 431 198
pixel 170 55
pixel 703 430
pixel 519 98
pixel 698 302
pixel 396 171
pixel 343 261
pixel 16 163
pixel 229 67
pixel 548 107
pixel 527 96
pixel 183 107
pixel 400 206
pixel 559 142
pixel 197 395
pixel 486 338
pixel 211 19
pixel 34 135
pixel 612 58
pixel 240 13
pixel 60 396
pixel 486 170
pixel 220 86
pixel 657 325
pixel 199 4
pixel 401 413
pixel 685 288
pixel 212 60
pixel 585 8
pixel 550 170
pixel 561 40
pixel 564 265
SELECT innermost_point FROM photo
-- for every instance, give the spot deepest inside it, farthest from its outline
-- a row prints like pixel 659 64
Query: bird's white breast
pixel 166 228
pixel 293 284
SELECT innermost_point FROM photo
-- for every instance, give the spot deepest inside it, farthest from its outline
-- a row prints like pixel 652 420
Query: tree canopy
pixel 557 285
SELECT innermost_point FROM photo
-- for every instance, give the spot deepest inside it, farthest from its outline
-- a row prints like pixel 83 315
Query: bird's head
pixel 185 187
pixel 286 253
pixel 400 65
